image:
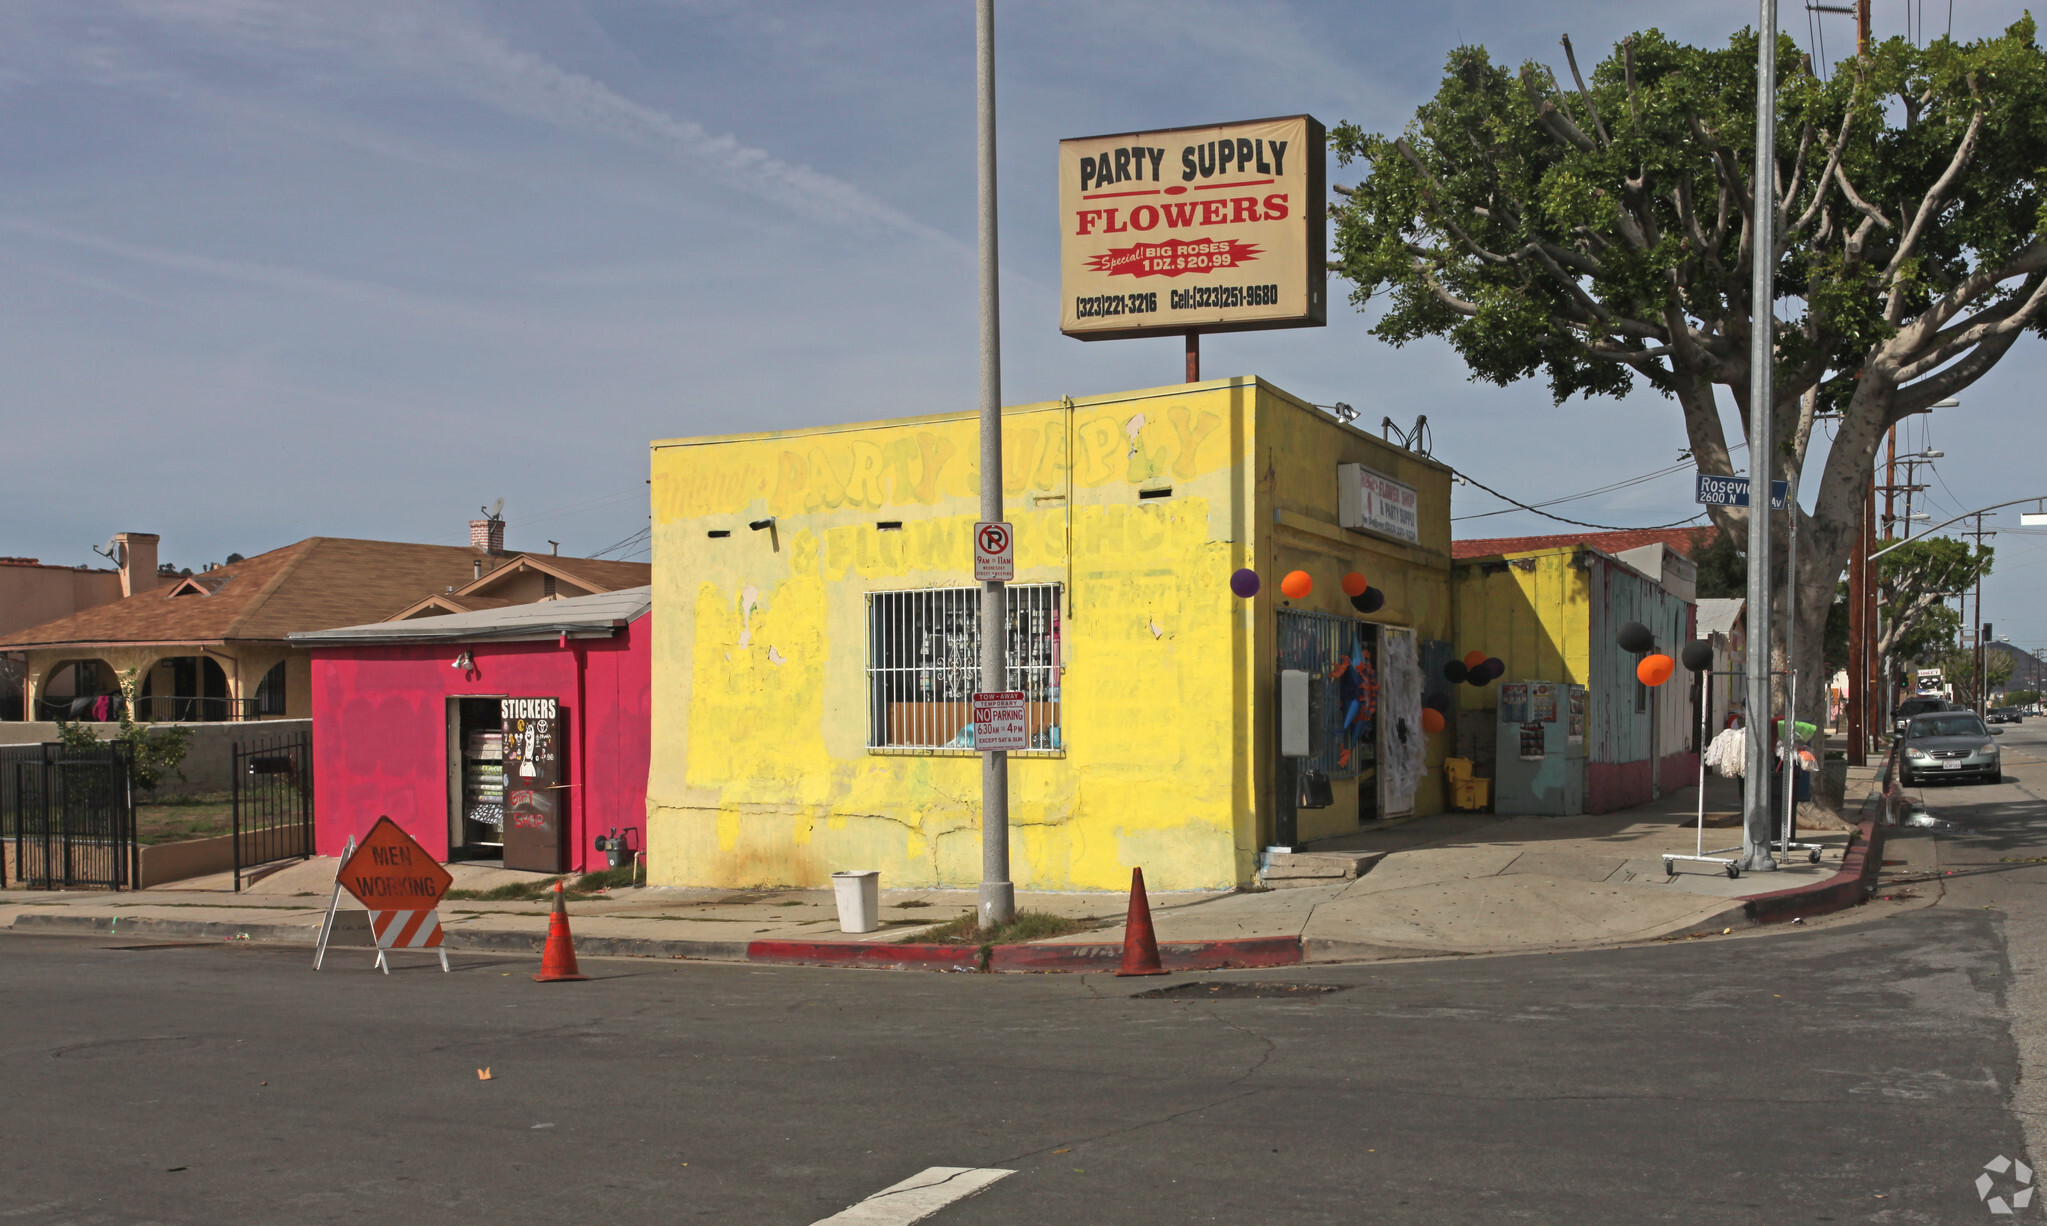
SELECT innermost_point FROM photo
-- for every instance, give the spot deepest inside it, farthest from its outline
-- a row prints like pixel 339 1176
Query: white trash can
pixel 859 894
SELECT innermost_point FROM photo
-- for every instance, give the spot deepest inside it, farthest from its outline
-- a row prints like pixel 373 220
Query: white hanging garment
pixel 1727 755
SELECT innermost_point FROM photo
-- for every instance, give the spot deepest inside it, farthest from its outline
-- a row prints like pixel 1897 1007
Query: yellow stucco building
pixel 816 637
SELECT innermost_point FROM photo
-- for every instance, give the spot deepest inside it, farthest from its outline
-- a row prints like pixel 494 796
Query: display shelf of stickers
pixel 483 784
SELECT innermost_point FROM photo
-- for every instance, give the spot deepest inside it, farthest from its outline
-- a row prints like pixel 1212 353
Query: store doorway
pixel 1335 790
pixel 476 779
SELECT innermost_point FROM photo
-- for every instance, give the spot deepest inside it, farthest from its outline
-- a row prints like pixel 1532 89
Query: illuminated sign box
pixel 1216 229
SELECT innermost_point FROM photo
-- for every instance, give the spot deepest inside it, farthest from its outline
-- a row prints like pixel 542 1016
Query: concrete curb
pixel 1175 956
pixel 1847 888
pixel 108 925
pixel 1015 959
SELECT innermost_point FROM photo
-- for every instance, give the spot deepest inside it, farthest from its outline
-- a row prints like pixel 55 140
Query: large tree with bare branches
pixel 1597 233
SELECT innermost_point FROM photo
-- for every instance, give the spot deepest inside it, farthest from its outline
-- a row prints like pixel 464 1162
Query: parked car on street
pixel 1918 704
pixel 1948 745
pixel 2006 715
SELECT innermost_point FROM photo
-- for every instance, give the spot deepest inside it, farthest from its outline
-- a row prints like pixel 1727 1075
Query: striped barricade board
pixel 406 929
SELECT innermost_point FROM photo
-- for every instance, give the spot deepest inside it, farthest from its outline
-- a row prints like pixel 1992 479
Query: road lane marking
pixel 917 1197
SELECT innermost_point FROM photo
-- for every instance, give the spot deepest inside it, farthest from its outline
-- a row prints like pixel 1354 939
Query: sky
pixel 356 269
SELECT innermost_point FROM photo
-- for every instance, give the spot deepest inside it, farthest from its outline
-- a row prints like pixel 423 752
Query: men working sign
pixel 400 885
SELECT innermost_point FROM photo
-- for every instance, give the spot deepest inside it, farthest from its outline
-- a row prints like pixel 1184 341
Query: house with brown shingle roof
pixel 528 578
pixel 214 645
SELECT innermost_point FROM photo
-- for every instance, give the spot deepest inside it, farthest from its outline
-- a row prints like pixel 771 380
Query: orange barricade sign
pixel 401 885
pixel 390 871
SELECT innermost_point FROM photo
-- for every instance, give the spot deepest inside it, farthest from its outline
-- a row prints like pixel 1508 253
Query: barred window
pixel 270 691
pixel 924 665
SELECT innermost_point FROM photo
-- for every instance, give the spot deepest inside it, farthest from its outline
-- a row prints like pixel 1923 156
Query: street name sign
pixel 994 553
pixel 1001 721
pixel 1733 492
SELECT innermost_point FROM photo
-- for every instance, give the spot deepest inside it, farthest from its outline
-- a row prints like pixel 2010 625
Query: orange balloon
pixel 1472 659
pixel 1297 584
pixel 1354 584
pixel 1655 670
pixel 1432 720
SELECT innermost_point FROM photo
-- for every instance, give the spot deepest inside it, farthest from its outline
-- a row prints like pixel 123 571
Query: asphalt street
pixel 1861 1069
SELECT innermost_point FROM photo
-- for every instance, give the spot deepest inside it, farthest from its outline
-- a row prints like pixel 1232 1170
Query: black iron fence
pixel 273 801
pixel 68 814
pixel 169 708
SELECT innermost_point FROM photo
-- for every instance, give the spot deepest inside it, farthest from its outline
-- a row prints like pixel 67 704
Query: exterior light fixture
pixel 463 662
pixel 762 525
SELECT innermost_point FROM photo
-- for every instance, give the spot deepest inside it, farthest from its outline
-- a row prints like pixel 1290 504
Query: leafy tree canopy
pixel 1598 234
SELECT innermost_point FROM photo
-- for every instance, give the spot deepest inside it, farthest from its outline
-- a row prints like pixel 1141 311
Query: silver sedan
pixel 1949 745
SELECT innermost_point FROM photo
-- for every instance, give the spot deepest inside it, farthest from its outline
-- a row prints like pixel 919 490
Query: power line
pixel 1680 466
pixel 1576 523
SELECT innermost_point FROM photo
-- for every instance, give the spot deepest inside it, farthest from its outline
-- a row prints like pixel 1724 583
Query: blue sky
pixel 353 269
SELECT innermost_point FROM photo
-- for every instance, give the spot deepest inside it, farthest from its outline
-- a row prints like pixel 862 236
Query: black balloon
pixel 1454 672
pixel 1698 655
pixel 1371 600
pixel 1437 702
pixel 1480 675
pixel 1635 637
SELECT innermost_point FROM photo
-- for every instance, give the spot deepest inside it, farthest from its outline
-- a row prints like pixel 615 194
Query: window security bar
pixel 924 666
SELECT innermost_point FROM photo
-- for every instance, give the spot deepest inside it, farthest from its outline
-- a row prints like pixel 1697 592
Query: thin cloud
pixel 435 44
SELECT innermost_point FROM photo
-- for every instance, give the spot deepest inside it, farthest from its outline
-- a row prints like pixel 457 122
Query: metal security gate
pixel 69 813
pixel 273 801
pixel 1339 655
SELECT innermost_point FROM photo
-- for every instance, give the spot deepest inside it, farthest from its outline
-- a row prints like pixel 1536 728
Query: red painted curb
pixel 1174 956
pixel 872 957
pixel 1847 888
pixel 1177 956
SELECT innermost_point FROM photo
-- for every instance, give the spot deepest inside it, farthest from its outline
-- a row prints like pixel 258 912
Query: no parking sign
pixel 994 553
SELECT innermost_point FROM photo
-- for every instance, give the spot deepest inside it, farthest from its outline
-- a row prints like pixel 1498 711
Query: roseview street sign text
pixel 1733 492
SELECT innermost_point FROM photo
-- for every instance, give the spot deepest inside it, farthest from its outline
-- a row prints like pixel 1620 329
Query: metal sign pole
pixel 327 924
pixel 1756 801
pixel 998 896
pixel 1787 740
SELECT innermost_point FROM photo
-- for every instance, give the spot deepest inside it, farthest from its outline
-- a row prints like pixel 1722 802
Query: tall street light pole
pixel 998 895
pixel 1762 402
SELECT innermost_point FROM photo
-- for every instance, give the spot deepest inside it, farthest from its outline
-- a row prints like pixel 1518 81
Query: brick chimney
pixel 137 551
pixel 487 535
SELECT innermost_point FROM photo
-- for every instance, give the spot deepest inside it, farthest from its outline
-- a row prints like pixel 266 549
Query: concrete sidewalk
pixel 1448 884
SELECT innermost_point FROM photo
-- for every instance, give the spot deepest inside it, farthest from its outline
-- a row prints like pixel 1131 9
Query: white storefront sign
pixel 1376 502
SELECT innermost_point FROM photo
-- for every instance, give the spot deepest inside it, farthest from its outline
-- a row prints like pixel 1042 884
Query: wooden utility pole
pixel 1858 645
pixel 1976 629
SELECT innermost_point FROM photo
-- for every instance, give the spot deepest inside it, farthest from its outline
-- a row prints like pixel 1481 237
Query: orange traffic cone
pixel 1140 943
pixel 558 960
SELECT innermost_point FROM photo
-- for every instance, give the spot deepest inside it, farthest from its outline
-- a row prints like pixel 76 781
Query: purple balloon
pixel 1245 583
pixel 1497 667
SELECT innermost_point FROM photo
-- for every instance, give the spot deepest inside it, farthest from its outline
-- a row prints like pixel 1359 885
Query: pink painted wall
pixel 1612 786
pixel 380 732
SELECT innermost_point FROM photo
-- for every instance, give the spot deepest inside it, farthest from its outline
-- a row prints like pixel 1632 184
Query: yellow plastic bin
pixel 1467 793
